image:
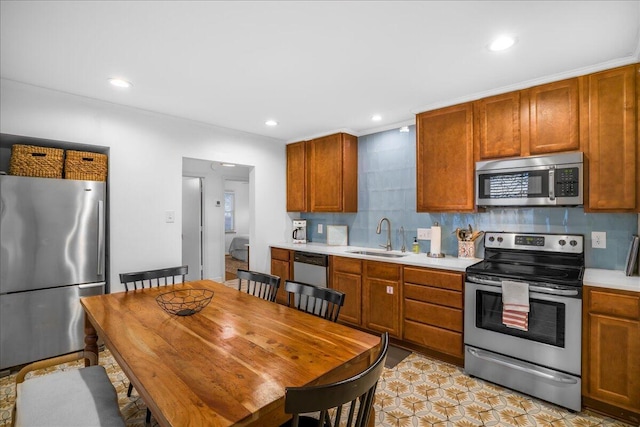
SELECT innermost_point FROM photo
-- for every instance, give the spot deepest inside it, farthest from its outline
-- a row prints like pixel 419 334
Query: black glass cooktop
pixel 532 267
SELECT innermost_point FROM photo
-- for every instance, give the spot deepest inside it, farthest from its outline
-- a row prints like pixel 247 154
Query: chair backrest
pixel 257 284
pixel 160 277
pixel 353 396
pixel 322 302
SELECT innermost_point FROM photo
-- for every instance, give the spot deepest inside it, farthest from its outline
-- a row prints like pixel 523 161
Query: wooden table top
pixel 228 364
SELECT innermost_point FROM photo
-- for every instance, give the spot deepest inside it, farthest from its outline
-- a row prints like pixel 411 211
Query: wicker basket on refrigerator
pixel 31 160
pixel 85 165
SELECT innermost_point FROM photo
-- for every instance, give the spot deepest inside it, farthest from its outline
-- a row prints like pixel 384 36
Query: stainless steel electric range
pixel 545 359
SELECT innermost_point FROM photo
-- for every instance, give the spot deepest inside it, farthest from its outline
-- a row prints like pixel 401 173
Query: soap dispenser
pixel 416 246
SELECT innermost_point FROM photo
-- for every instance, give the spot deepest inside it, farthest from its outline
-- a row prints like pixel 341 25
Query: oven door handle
pixel 524 367
pixel 539 289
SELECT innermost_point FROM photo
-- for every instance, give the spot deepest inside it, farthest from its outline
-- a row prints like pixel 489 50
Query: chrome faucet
pixel 379 229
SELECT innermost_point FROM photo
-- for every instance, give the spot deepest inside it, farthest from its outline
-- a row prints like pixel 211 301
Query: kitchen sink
pixel 378 253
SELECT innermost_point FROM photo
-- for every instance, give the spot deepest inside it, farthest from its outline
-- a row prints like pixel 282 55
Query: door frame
pixel 201 234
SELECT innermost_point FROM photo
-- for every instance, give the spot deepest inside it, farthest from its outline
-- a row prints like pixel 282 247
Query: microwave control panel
pixel 567 182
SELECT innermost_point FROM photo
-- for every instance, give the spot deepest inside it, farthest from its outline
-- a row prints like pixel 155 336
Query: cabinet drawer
pixel 433 295
pixel 281 254
pixel 436 315
pixel 442 340
pixel 383 270
pixel 614 303
pixel 347 265
pixel 438 279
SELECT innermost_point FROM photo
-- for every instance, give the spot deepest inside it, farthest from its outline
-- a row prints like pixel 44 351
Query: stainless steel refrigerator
pixel 52 252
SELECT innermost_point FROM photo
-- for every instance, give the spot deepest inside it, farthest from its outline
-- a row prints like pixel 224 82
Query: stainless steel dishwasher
pixel 310 268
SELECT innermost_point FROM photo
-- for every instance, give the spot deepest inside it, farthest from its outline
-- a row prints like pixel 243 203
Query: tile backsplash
pixel 387 188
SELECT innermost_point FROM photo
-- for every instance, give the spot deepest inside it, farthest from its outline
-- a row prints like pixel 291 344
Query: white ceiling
pixel 315 67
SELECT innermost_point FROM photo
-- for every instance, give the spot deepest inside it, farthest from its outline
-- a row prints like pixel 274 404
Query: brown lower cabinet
pixel 611 352
pixel 433 311
pixel 346 277
pixel 381 296
pixel 372 293
pixel 282 266
pixel 421 307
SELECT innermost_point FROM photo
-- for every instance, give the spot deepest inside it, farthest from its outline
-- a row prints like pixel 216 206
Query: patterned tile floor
pixel 418 391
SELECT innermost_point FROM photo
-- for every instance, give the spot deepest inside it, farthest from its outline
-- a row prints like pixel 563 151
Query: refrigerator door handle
pixel 91 285
pixel 100 269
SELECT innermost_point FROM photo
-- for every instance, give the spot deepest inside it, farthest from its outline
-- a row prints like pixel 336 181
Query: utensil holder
pixel 466 249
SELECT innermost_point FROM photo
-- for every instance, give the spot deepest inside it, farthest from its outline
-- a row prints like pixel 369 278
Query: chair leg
pixel 130 390
pixel 147 420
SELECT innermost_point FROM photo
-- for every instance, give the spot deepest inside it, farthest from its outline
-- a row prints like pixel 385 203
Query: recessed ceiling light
pixel 271 123
pixel 120 83
pixel 502 43
pixel 376 117
pixel 404 129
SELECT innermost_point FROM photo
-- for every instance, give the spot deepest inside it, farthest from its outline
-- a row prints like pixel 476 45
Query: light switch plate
pixel 169 216
pixel 320 229
pixel 424 234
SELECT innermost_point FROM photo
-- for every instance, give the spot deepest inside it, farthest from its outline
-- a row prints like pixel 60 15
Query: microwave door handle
pixel 552 183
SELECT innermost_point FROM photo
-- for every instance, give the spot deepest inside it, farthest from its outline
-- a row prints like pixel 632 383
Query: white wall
pixel 145 169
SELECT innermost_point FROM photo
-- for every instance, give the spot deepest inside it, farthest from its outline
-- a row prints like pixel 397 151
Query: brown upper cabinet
pixel 554 117
pixel 596 114
pixel 609 126
pixel 296 177
pixel 498 126
pixel 322 174
pixel 539 120
pixel 444 155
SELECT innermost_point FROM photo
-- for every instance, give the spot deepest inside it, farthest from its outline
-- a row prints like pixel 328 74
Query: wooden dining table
pixel 227 365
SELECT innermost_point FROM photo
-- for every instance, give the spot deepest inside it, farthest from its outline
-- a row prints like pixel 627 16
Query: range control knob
pixel 573 243
pixel 562 242
pixel 491 239
pixel 500 239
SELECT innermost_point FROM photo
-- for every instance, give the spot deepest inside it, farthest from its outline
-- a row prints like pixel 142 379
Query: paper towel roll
pixel 436 239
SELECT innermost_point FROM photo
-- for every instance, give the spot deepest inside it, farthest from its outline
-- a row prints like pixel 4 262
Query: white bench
pixel 76 397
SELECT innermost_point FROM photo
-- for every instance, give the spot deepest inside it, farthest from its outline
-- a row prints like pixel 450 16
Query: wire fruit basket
pixel 184 302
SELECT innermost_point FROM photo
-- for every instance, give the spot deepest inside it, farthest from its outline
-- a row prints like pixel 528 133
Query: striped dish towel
pixel 515 305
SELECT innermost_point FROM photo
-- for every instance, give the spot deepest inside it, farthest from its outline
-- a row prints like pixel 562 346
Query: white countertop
pixel 612 279
pixel 418 260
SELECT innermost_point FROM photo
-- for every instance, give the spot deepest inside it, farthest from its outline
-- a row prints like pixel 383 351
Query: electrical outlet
pixel 320 229
pixel 599 239
pixel 424 234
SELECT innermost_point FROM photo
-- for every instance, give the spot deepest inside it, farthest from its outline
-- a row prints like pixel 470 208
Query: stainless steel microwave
pixel 547 180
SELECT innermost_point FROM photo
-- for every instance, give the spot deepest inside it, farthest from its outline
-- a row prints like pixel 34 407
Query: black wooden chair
pixel 322 302
pixel 261 285
pixel 149 279
pixel 353 397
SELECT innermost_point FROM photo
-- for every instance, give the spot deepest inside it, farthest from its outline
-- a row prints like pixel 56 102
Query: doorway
pixel 192 227
pixel 213 176
pixel 236 225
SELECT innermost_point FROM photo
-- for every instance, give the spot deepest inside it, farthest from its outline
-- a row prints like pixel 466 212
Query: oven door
pixel 555 327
